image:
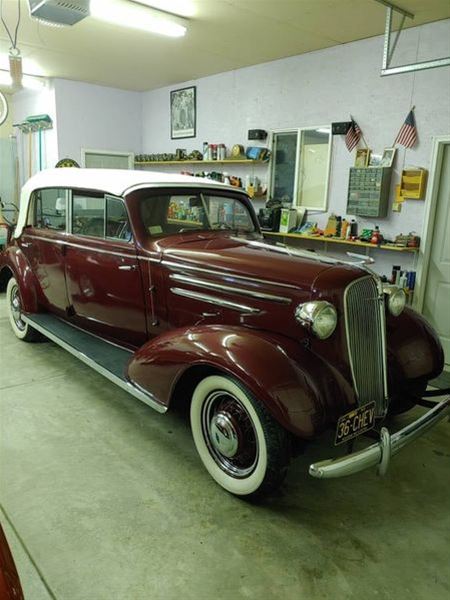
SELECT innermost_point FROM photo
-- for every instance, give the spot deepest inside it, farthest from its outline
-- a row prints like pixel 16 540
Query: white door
pixel 436 307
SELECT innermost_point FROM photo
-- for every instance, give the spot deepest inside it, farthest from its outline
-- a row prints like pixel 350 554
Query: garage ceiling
pixel 222 35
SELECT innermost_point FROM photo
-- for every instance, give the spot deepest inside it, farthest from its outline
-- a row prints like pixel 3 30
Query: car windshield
pixel 165 214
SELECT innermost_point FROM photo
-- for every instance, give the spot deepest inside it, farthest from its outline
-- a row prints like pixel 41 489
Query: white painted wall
pixel 319 87
pixel 96 117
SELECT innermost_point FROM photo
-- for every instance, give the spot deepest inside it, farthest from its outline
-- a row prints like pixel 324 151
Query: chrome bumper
pixel 381 452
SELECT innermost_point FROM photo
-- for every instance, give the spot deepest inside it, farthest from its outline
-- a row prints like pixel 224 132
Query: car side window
pixel 100 216
pixel 88 215
pixel 50 209
pixel 117 226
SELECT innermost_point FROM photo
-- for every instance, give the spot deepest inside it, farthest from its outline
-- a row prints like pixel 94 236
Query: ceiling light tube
pixel 5 78
pixel 183 8
pixel 130 14
pixel 28 81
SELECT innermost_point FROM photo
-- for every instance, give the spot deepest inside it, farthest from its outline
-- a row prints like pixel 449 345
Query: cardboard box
pixel 288 220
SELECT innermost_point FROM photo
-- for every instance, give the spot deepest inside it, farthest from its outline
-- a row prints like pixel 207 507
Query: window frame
pixel 87 151
pixel 297 179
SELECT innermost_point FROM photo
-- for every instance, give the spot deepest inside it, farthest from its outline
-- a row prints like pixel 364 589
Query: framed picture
pixel 362 157
pixel 375 160
pixel 183 108
pixel 388 157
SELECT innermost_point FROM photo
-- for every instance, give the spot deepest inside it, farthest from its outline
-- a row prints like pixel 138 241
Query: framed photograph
pixel 388 157
pixel 183 108
pixel 362 157
pixel 375 160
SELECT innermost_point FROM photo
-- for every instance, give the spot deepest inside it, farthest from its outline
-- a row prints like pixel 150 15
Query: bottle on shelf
pixel 376 236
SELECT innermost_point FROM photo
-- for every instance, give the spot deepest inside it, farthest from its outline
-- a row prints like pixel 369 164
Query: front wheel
pixel 243 448
pixel 14 303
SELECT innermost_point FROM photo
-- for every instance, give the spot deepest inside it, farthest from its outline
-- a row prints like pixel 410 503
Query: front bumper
pixel 381 452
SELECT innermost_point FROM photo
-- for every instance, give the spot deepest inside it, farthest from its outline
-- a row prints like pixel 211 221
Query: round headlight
pixel 396 300
pixel 320 316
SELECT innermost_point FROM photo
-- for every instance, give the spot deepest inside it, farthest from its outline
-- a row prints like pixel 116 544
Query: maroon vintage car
pixel 10 588
pixel 164 284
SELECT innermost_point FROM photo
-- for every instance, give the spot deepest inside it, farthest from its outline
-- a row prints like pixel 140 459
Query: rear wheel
pixel 14 303
pixel 243 448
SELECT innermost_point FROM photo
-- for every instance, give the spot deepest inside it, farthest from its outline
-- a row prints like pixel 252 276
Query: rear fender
pixel 15 261
pixel 302 393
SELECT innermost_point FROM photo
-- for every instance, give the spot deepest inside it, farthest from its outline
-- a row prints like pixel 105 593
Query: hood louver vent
pixel 59 12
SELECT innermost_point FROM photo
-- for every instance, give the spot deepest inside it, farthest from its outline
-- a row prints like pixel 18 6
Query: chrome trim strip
pixel 291 251
pixel 214 300
pixel 125 385
pixel 174 265
pixel 81 246
pixel 228 288
pixel 380 452
pixel 149 259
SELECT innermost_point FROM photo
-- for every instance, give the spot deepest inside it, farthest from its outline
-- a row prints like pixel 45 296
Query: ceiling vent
pixel 59 12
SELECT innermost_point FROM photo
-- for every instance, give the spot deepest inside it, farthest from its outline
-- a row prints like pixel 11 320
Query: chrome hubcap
pixel 224 437
pixel 16 308
pixel 229 434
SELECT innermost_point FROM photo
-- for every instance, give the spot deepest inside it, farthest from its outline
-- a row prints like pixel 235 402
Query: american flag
pixel 352 136
pixel 407 136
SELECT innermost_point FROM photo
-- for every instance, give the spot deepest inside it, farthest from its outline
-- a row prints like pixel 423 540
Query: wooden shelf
pixel 326 240
pixel 227 161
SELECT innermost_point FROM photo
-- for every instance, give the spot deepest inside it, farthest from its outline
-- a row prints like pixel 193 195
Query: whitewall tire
pixel 242 447
pixel 14 304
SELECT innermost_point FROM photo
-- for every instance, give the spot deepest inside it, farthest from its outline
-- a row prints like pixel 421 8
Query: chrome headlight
pixel 396 300
pixel 319 315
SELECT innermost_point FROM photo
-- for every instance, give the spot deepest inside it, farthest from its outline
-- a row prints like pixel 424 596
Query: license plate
pixel 355 423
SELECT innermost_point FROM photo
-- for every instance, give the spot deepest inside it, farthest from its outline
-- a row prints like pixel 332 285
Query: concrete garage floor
pixel 104 499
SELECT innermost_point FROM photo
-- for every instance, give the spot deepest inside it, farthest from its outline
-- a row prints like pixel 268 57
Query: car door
pixel 42 242
pixel 103 276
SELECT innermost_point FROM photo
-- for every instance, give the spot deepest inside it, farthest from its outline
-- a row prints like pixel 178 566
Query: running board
pixel 107 359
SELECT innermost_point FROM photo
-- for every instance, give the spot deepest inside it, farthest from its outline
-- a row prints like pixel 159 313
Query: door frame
pixel 431 200
pixel 129 155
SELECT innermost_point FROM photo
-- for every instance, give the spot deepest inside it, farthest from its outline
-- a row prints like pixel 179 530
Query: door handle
pixel 127 267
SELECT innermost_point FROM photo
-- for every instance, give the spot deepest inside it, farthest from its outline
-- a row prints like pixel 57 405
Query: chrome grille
pixel 365 330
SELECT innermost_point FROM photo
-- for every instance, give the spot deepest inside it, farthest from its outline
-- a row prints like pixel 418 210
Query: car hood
pixel 253 260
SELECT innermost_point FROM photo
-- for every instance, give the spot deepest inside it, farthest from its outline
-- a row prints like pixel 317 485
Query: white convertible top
pixel 111 181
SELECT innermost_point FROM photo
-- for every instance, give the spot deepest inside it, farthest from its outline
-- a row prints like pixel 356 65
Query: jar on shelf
pixel 221 150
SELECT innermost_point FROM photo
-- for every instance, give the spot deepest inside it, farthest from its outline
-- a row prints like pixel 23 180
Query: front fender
pixel 15 260
pixel 414 349
pixel 298 388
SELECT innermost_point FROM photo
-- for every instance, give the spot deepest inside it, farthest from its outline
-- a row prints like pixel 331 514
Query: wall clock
pixel 3 108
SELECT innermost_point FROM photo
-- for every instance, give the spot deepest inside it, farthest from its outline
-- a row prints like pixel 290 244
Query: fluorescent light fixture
pixel 29 66
pixel 184 8
pixel 28 81
pixel 5 78
pixel 136 16
pixel 33 83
